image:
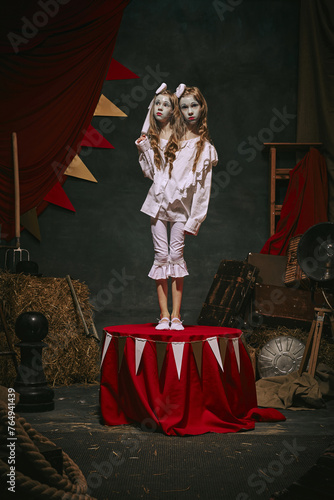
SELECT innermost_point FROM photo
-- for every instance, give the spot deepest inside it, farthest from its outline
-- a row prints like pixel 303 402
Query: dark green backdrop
pixel 243 55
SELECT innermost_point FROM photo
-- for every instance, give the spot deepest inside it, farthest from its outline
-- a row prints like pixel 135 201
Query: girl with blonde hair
pixel 177 156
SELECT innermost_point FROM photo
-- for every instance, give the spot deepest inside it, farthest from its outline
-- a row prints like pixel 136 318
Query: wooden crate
pixel 271 268
pixel 229 294
pixel 283 303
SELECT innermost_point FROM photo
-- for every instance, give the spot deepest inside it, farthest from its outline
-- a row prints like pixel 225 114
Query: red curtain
pixel 305 203
pixel 54 56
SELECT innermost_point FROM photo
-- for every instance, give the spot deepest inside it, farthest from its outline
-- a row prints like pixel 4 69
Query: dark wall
pixel 243 55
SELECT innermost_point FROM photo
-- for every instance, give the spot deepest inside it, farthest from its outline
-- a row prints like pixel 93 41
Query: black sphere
pixel 31 326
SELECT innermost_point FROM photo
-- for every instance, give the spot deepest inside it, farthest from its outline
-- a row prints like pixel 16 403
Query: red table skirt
pixel 181 383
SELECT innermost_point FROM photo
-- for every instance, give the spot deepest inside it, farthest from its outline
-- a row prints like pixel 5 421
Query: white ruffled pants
pixel 168 259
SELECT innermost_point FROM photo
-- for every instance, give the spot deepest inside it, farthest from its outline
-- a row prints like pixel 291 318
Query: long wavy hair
pixel 201 125
pixel 155 130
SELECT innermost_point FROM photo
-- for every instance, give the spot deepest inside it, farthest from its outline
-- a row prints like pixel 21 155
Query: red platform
pixel 190 382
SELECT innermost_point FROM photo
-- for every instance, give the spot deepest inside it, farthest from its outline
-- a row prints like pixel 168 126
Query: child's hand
pixel 141 138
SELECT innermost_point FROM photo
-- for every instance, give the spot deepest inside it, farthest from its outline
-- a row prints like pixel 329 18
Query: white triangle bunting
pixel 237 352
pixel 213 342
pixel 178 355
pixel 105 347
pixel 140 344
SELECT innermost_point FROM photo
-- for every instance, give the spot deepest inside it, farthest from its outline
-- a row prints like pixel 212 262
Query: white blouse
pixel 185 196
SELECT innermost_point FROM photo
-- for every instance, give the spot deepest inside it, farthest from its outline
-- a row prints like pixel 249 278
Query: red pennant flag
pixel 57 196
pixel 93 139
pixel 117 71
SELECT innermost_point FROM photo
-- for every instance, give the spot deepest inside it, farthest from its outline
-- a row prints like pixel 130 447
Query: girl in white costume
pixel 177 156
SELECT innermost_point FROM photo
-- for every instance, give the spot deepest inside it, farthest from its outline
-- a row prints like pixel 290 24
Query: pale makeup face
pixel 162 108
pixel 190 108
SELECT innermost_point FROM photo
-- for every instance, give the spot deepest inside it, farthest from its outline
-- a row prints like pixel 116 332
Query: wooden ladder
pixel 281 173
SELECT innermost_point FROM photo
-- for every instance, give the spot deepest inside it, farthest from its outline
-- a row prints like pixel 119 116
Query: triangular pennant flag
pixel 57 196
pixel 93 139
pixel 236 350
pixel 30 221
pixel 105 346
pixel 243 340
pixel 121 346
pixel 161 352
pixel 178 355
pixel 117 71
pixel 107 108
pixel 222 348
pixel 252 358
pixel 197 350
pixel 140 344
pixel 213 342
pixel 77 168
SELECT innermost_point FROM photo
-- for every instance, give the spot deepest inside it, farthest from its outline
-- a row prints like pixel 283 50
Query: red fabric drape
pixel 305 202
pixel 218 399
pixel 54 57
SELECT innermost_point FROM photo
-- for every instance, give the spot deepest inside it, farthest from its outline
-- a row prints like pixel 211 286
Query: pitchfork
pixel 17 250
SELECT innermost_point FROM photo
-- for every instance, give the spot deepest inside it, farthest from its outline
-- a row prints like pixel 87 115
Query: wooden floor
pixel 126 462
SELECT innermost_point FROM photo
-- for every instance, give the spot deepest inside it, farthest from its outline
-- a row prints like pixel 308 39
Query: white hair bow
pixel 146 125
pixel 180 89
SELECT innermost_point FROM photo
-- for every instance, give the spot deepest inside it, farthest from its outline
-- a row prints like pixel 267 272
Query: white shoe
pixel 176 324
pixel 163 324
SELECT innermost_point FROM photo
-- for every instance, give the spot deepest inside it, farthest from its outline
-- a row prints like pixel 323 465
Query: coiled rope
pixel 71 485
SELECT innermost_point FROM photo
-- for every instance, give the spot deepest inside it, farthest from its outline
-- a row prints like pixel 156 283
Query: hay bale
pixel 70 357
